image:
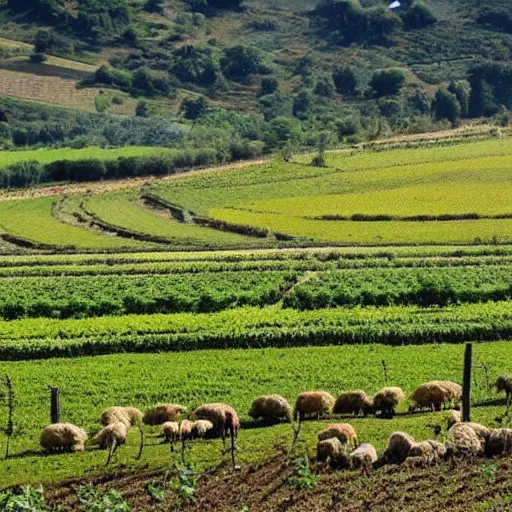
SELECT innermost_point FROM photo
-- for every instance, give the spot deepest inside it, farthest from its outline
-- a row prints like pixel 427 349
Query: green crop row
pixel 77 297
pixel 254 327
pixel 421 286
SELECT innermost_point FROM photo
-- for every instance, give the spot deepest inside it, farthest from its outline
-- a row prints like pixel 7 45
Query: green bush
pixel 345 81
pixel 387 83
pixel 239 62
pixel 418 15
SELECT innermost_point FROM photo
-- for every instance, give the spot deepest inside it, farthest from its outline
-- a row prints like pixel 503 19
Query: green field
pixel 233 376
pixel 46 156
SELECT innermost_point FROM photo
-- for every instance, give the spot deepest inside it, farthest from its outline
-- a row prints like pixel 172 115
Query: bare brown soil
pixel 455 486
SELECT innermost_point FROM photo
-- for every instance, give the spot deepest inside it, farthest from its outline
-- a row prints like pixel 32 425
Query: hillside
pixel 276 73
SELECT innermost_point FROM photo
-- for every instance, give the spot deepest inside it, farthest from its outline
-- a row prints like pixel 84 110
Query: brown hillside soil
pixel 457 486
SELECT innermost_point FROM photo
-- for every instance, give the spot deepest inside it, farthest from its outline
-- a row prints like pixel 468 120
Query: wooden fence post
pixel 466 385
pixel 55 404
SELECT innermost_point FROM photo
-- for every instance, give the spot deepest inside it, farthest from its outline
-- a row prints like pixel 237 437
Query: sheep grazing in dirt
pixel 427 452
pixel 499 442
pixel 161 413
pixel 128 415
pixel 63 437
pixel 453 418
pixel 271 408
pixel 185 431
pixel 224 418
pixel 171 431
pixel 398 448
pixel 201 428
pixel 364 456
pixel 464 441
pixel 504 383
pixel 313 404
pixel 433 395
pixel 353 402
pixel 344 432
pixel 386 401
pixel 330 450
pixel 112 435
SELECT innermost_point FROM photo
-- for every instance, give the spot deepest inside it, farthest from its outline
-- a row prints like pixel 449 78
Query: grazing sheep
pixel 129 415
pixel 428 452
pixel 171 431
pixel 344 432
pixel 504 383
pixel 464 441
pixel 433 395
pixel 185 431
pixel 454 417
pixel 63 437
pixel 398 448
pixel 201 428
pixel 223 417
pixel 161 413
pixel 313 404
pixel 481 431
pixel 364 456
pixel 353 402
pixel 499 442
pixel 386 401
pixel 112 435
pixel 271 408
pixel 330 449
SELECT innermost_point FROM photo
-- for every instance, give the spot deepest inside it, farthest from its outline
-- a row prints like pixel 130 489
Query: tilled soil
pixel 478 485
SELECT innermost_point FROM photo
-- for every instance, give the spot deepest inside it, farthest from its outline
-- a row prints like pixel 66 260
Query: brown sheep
pixel 330 450
pixel 171 431
pixel 464 441
pixel 499 442
pixel 428 452
pixel 364 456
pixel 112 435
pixel 201 428
pixel 398 448
pixel 454 417
pixel 353 402
pixel 129 415
pixel 313 404
pixel 161 413
pixel 342 431
pixel 504 383
pixel 433 395
pixel 63 437
pixel 224 419
pixel 386 401
pixel 185 431
pixel 271 408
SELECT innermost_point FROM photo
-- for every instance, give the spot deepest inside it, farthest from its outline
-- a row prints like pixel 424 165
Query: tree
pixel 324 87
pixel 203 5
pixel 446 106
pixel 154 6
pixel 345 81
pixel 194 108
pixel 196 65
pixel 462 91
pixel 269 85
pixel 240 61
pixel 418 16
pixel 142 110
pixel 387 83
pixel 43 41
pixel 302 104
pixel 101 18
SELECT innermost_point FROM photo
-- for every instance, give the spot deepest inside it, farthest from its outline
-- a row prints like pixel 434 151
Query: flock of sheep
pixel 337 443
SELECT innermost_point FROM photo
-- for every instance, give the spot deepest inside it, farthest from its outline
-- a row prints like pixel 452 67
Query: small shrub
pixel 303 478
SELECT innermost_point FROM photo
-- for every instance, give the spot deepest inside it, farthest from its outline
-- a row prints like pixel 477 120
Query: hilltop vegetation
pixel 255 76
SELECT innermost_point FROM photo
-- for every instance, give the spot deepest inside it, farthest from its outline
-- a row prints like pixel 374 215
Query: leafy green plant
pixel 95 501
pixel 303 477
pixel 29 499
pixel 185 485
pixel 489 471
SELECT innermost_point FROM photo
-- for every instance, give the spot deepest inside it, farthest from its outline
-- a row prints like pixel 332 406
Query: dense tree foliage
pixel 446 106
pixel 238 62
pixel 491 86
pixel 418 15
pixel 388 82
